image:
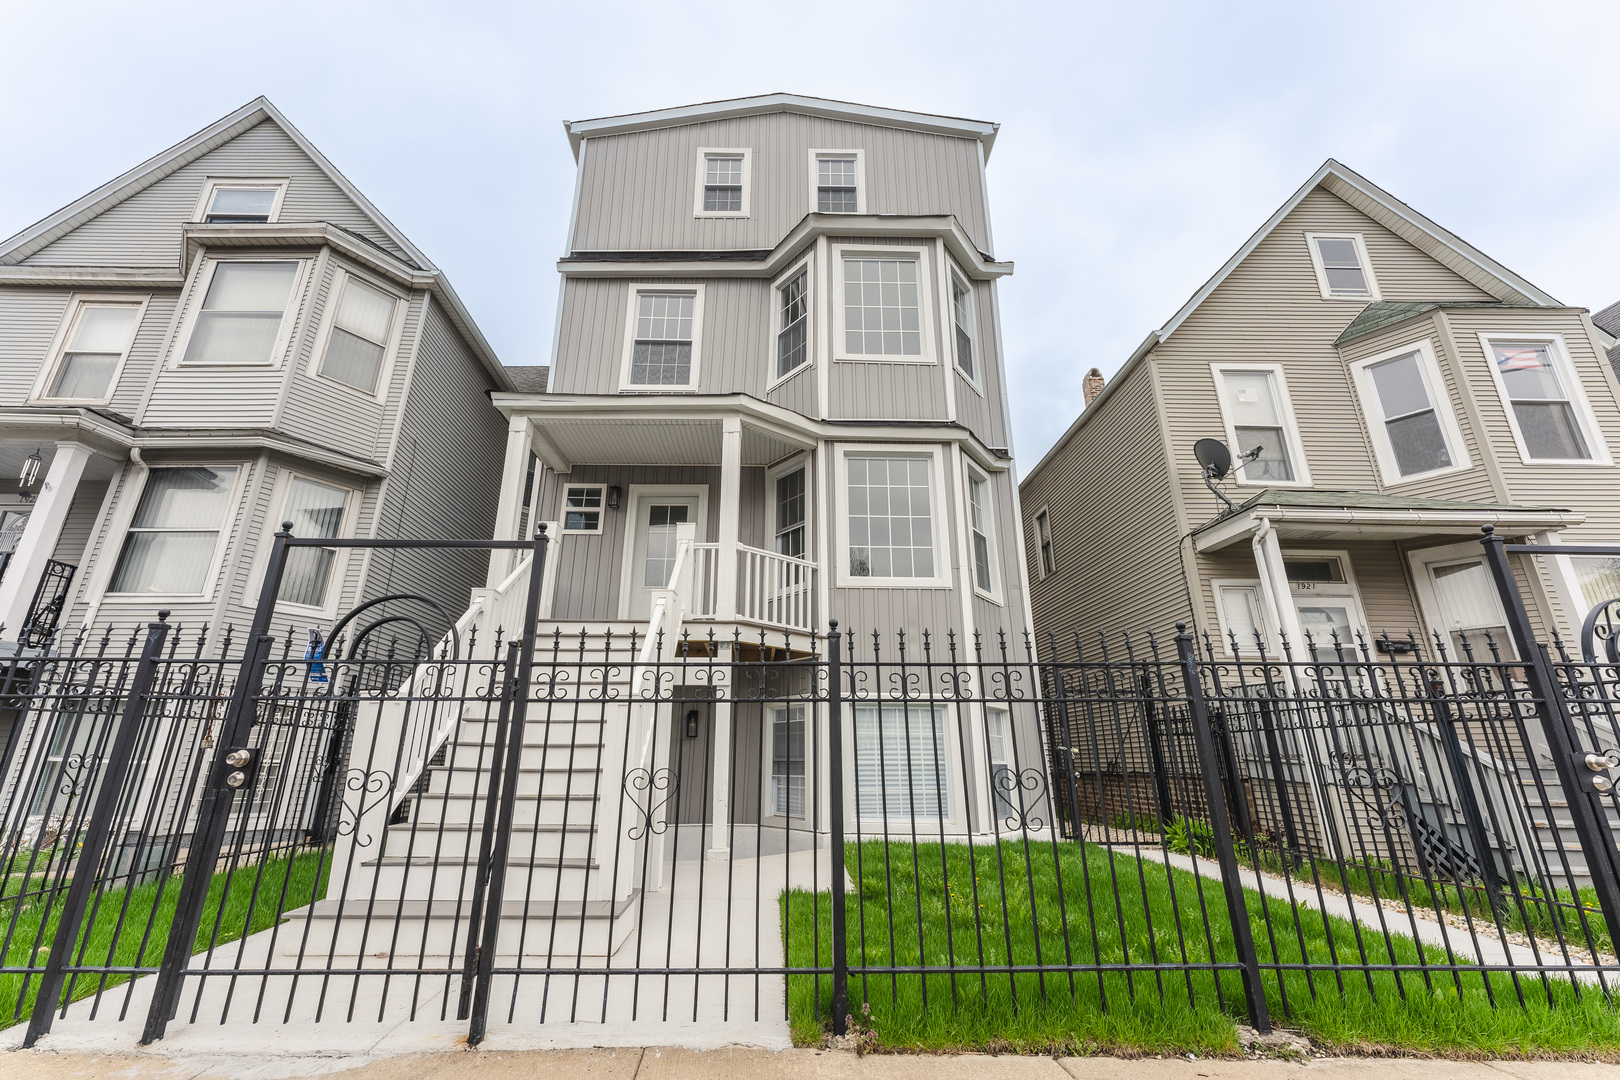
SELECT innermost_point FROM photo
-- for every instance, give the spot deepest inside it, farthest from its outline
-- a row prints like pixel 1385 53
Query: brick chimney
pixel 1093 385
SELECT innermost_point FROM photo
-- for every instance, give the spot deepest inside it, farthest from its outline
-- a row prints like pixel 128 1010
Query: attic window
pixel 1343 271
pixel 239 202
pixel 722 182
pixel 836 180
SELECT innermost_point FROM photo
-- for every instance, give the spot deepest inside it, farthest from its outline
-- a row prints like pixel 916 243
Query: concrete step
pixel 436 931
pixel 530 781
pixel 481 757
pixel 413 877
pixel 428 810
pixel 459 842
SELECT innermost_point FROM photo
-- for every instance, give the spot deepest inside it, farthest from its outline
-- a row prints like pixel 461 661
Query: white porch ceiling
pixel 634 441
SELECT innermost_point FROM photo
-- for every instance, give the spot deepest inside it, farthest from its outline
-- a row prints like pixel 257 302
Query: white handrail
pixel 775 589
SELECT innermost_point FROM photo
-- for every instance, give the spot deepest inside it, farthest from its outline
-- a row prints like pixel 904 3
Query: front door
pixel 1325 600
pixel 652 550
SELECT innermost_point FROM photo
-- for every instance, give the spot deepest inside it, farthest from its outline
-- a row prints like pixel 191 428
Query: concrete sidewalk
pixel 755 1064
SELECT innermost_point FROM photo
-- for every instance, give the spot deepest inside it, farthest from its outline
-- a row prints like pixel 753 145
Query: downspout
pixel 117 524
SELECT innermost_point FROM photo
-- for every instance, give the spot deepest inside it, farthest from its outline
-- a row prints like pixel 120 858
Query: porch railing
pixel 772 589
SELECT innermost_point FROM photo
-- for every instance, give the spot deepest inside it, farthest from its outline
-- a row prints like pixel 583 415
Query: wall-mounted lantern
pixel 615 495
pixel 691 723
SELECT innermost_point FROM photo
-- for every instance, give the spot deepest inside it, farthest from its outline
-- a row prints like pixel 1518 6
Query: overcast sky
pixel 1140 143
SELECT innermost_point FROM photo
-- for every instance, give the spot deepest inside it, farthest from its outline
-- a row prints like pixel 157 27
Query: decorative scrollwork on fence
pixel 1019 799
pixel 362 791
pixel 1373 784
pixel 643 787
pixel 76 770
pixel 1600 633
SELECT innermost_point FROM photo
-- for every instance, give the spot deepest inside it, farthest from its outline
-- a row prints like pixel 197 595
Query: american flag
pixel 1518 359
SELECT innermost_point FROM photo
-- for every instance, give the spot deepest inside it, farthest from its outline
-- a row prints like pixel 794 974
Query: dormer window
pixel 1343 271
pixel 240 202
pixel 836 179
pixel 722 183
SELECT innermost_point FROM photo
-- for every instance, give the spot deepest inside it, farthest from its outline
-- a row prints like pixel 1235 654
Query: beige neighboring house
pixel 1402 388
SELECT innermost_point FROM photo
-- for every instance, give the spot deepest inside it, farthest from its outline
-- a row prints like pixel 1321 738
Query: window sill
pixel 95 403
pixel 701 214
pixel 780 379
pixel 973 384
pixel 657 389
pixel 883 360
pixel 990 597
pixel 847 582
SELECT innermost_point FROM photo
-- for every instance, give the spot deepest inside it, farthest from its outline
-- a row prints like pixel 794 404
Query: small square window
pixel 722 183
pixel 582 509
pixel 1343 271
pixel 837 178
pixel 238 201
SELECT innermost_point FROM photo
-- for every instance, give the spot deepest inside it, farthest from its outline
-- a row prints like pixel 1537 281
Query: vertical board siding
pixel 797 392
pixel 638 190
pixel 992 618
pixel 451 485
pixel 1115 536
pixel 879 391
pixel 144 229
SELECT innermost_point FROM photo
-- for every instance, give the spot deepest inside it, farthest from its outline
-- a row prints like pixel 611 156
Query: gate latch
pixel 243 762
pixel 1601 764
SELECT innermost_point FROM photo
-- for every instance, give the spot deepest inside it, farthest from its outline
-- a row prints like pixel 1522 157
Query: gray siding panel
pixel 638 190
pixel 80 522
pixel 29 319
pixel 877 391
pixel 143 230
pixel 797 392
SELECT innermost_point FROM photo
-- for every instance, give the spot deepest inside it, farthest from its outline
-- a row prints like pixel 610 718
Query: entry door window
pixel 653 556
pixel 1470 609
pixel 1325 600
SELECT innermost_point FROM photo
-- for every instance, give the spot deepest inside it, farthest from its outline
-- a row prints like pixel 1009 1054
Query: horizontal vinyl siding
pixel 638 190
pixel 29 320
pixel 1113 526
pixel 144 230
pixel 445 479
pixel 80 523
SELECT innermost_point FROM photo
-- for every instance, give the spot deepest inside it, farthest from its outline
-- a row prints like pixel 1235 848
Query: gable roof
pixel 42 233
pixel 982 130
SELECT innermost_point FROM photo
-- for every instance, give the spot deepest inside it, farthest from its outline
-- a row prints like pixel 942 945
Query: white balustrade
pixel 777 590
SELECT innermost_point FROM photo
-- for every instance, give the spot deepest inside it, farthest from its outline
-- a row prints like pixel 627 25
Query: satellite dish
pixel 1213 455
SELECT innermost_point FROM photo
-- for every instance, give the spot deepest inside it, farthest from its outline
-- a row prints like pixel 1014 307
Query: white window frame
pixel 942 553
pixel 1421 561
pixel 1268 633
pixel 970 474
pixel 802 266
pixel 199 293
pixel 562 510
pixel 1564 367
pixel 1348 589
pixel 860 179
pixel 1372 292
pixel 954 276
pixel 278 498
pixel 925 306
pixel 212 184
pixel 633 493
pixel 227 530
pixel 628 359
pixel 77 302
pixel 1035 523
pixel 396 327
pixel 1439 396
pixel 1296 449
pixel 703 155
pixel 767 760
pixel 775 473
pixel 949 768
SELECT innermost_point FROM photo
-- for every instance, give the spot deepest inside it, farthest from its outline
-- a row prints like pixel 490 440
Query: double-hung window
pixel 791 513
pixel 1546 410
pixel 1254 403
pixel 787 782
pixel 902 762
pixel 93 349
pixel 172 539
pixel 1343 270
pixel 663 342
pixel 962 318
pixel 979 530
pixel 722 183
pixel 316 511
pixel 1413 429
pixel 582 508
pixel 358 340
pixel 882 308
pixel 793 322
pixel 889 519
pixel 242 312
pixel 240 202
pixel 837 179
pixel 1003 777
pixel 1043 541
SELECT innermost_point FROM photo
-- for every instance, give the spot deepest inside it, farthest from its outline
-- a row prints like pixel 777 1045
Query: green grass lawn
pixel 146 914
pixel 938 917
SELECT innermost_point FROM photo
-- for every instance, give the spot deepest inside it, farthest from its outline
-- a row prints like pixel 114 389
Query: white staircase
pixel 404 875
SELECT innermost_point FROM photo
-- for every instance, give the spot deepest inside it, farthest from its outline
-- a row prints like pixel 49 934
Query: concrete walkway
pixel 755 1064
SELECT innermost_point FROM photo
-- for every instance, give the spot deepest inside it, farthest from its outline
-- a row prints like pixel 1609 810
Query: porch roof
pixel 1312 514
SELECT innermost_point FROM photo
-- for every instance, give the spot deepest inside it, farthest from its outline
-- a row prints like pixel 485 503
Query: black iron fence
pixel 499 823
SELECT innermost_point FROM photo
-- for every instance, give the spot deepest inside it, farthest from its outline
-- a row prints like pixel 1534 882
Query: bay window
pixel 174 534
pixel 902 763
pixel 242 312
pixel 1545 408
pixel 316 511
pixel 888 527
pixel 1414 431
pixel 358 341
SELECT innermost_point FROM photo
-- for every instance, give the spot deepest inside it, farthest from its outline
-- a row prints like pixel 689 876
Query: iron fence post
pixel 1457 765
pixel 1161 768
pixel 1254 992
pixel 1591 828
pixel 215 809
pixel 96 836
pixel 486 841
pixel 835 823
pixel 478 1022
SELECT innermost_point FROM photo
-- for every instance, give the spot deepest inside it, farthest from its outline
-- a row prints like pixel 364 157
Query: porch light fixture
pixel 30 473
pixel 691 723
pixel 615 493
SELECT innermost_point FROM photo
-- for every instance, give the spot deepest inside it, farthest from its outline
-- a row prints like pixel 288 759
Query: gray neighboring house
pixel 227 336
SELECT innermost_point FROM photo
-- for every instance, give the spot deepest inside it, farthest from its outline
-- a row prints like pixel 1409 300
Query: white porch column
pixel 720 786
pixel 1274 586
pixel 41 534
pixel 511 498
pixel 730 511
